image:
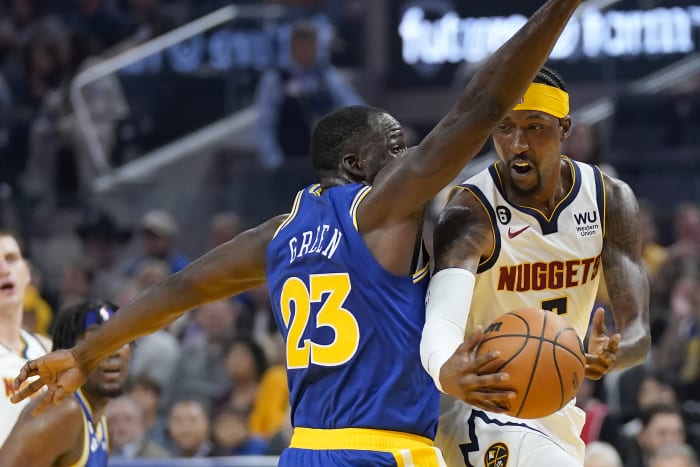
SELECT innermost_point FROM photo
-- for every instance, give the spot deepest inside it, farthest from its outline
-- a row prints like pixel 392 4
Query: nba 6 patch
pixel 496 455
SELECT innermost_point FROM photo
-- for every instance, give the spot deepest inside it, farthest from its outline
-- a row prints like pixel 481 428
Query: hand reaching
pixel 465 377
pixel 59 371
pixel 602 348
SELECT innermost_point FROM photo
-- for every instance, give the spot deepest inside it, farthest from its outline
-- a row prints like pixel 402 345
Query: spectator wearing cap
pixel 103 241
pixel 159 232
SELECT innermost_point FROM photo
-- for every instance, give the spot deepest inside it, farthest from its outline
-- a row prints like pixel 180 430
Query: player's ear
pixel 352 164
pixel 565 127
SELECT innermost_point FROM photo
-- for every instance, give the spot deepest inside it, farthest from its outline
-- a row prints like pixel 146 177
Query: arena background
pixel 162 117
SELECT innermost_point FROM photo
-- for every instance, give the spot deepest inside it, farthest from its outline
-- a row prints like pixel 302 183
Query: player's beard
pixel 110 393
pixel 530 190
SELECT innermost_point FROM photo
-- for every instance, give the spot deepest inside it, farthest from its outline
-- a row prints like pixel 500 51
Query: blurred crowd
pixel 213 383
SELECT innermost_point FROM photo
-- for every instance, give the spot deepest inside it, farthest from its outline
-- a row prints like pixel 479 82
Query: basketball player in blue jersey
pixel 345 274
pixel 72 433
pixel 534 230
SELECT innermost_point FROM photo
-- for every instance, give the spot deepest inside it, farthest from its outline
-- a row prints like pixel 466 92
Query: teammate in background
pixel 346 275
pixel 74 431
pixel 16 344
pixel 533 230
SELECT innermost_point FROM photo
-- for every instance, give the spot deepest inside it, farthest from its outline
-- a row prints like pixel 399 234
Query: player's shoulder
pixel 618 193
pixel 64 418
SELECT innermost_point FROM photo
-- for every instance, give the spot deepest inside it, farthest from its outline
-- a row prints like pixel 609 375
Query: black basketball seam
pixel 537 358
pixel 561 380
pixel 556 362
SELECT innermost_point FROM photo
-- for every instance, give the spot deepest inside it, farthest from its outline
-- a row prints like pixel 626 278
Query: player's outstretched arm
pixel 232 268
pixel 626 281
pixel 403 188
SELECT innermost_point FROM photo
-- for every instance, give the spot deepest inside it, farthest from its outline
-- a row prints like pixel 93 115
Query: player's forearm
pixel 151 311
pixel 634 345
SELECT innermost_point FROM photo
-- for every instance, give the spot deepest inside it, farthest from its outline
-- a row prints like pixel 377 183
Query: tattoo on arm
pixel 625 274
pixel 463 233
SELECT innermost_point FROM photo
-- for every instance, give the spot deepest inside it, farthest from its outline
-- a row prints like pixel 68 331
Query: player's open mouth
pixel 7 288
pixel 521 167
pixel 112 374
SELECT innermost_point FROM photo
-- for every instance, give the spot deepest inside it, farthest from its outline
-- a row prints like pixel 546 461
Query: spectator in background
pixel 600 454
pixel 155 355
pixel 127 431
pixel 37 312
pixel 159 232
pixel 245 365
pixel 679 346
pixel 188 427
pixel 584 144
pixel 653 253
pixel 232 436
pixel 200 371
pixel 77 280
pixel 102 240
pixel 662 426
pixel 289 102
pixel 270 413
pixel 680 455
pixel 223 227
pixel 147 394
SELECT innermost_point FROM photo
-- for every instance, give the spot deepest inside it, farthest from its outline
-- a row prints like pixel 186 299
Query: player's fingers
pixel 475 338
pixel 482 360
pixel 28 370
pixel 471 381
pixel 599 321
pixel 44 401
pixel 614 343
pixel 59 395
pixel 27 391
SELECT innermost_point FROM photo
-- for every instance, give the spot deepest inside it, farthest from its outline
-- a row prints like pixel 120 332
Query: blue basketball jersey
pixel 352 329
pixel 96 444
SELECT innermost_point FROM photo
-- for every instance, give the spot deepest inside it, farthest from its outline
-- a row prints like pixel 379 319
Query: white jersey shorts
pixel 471 437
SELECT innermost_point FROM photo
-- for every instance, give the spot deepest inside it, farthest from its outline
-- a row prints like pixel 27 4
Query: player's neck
pixel 98 404
pixel 10 324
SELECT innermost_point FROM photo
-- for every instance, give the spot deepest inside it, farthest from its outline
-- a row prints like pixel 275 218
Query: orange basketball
pixel 543 356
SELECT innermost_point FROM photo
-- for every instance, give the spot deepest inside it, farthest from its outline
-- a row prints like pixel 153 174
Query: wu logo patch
pixel 496 455
pixel 587 223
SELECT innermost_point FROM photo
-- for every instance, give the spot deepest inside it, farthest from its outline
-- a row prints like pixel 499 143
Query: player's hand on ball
pixel 602 348
pixel 59 371
pixel 464 376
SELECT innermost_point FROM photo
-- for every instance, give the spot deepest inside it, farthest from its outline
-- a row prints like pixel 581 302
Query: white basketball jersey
pixel 548 262
pixel 552 263
pixel 10 364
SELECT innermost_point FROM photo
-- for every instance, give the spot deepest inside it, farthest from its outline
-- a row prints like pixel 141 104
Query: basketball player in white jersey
pixel 533 230
pixel 16 345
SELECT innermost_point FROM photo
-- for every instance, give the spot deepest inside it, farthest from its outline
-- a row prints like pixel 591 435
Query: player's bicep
pixel 625 275
pixel 463 234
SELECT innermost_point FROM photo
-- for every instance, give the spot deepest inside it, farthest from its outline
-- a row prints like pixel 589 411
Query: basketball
pixel 543 356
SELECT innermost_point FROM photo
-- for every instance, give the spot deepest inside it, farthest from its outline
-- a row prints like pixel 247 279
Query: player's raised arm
pixel 401 189
pixel 233 267
pixel 627 283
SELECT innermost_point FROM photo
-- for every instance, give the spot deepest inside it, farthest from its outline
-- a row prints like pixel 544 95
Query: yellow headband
pixel 546 99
